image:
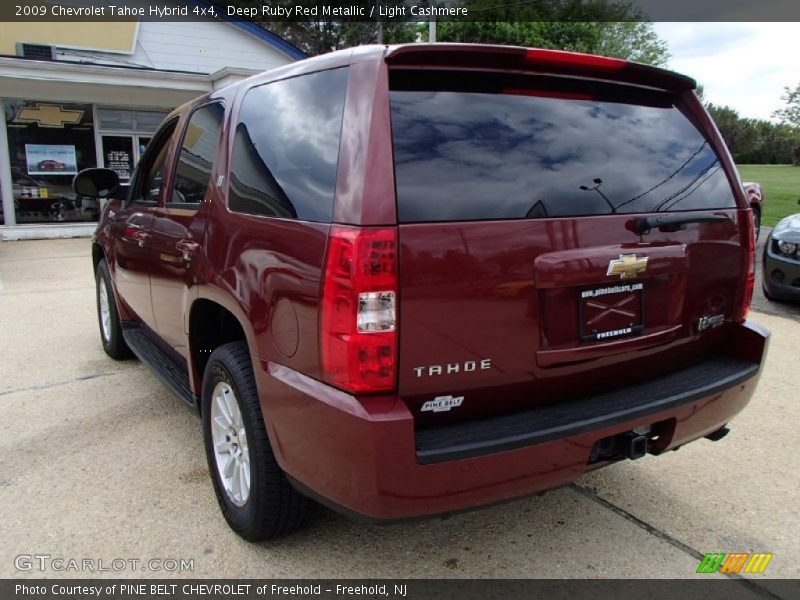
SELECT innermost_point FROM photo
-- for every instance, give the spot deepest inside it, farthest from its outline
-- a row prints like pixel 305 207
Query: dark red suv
pixel 410 280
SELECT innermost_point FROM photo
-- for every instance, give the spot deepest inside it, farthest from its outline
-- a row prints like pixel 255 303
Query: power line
pixel 474 10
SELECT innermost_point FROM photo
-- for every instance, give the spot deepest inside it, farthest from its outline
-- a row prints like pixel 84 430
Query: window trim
pixel 195 206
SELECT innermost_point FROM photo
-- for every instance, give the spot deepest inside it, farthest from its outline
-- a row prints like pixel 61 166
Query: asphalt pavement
pixel 100 461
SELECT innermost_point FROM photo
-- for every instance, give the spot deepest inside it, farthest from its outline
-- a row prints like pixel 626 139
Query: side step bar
pixel 171 372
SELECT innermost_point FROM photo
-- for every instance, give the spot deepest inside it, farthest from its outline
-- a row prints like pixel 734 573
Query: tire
pixel 108 316
pixel 266 506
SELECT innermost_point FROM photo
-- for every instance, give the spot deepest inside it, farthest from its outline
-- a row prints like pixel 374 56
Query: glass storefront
pixel 51 141
pixel 48 143
pixel 124 134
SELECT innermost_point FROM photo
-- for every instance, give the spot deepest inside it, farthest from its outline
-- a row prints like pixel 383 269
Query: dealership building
pixel 81 95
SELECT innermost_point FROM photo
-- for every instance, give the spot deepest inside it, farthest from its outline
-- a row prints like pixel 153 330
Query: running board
pixel 170 372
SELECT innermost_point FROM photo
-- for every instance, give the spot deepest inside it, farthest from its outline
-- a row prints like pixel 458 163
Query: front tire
pixel 255 497
pixel 108 316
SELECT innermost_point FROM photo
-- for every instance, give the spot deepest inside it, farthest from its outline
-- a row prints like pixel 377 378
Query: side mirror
pixel 96 183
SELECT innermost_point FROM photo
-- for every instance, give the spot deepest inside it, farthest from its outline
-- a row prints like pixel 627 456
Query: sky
pixel 741 65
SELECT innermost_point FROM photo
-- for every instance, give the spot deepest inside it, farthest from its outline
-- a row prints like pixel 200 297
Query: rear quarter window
pixel 286 147
pixel 478 146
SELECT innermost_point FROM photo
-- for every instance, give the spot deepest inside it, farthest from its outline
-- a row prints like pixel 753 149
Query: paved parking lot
pixel 99 460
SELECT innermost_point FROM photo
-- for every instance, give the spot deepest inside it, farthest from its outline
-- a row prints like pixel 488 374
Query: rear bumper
pixel 367 459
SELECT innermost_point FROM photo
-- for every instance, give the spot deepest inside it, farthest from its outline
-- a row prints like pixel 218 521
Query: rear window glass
pixel 286 147
pixel 475 146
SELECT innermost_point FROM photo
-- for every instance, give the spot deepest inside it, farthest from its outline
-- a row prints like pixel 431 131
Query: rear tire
pixel 108 316
pixel 255 497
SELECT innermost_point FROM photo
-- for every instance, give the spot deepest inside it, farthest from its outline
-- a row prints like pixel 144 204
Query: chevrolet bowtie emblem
pixel 48 115
pixel 627 266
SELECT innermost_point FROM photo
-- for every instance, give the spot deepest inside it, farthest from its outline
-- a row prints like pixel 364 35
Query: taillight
pixel 560 58
pixel 358 324
pixel 749 267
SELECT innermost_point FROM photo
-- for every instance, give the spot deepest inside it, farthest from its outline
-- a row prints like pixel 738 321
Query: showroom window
pixel 124 134
pixel 48 143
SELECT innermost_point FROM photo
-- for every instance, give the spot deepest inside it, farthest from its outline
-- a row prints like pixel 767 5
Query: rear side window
pixel 198 150
pixel 286 147
pixel 478 146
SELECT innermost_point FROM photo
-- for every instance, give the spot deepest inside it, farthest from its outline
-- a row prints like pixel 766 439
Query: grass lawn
pixel 781 186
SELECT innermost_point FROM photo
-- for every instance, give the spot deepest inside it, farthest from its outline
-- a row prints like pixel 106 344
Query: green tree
pixel 600 27
pixel 734 130
pixel 789 116
pixel 632 40
pixel 629 40
pixel 605 27
pixel 756 141
pixel 791 112
pixel 323 36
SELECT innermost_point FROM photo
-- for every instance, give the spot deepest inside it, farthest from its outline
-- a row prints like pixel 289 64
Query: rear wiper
pixel 672 222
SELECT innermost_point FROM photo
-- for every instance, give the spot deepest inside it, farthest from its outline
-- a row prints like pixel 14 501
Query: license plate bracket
pixel 611 311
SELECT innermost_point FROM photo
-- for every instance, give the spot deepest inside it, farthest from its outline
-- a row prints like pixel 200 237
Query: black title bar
pixel 701 587
pixel 396 10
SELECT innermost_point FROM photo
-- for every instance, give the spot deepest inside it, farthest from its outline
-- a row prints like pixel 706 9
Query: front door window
pixel 124 135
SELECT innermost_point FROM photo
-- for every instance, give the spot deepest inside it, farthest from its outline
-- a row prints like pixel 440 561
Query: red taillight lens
pixel 547 94
pixel 749 266
pixel 560 58
pixel 358 324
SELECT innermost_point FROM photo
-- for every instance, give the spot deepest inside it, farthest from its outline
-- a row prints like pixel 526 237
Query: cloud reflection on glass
pixel 470 156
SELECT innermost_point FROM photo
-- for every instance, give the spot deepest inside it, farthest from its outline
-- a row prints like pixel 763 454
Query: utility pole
pixel 380 22
pixel 596 188
pixel 432 25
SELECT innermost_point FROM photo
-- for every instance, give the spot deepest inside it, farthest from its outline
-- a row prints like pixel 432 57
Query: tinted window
pixel 286 147
pixel 199 148
pixel 471 147
pixel 153 165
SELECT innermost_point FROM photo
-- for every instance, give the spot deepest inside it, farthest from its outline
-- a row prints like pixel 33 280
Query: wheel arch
pixel 212 322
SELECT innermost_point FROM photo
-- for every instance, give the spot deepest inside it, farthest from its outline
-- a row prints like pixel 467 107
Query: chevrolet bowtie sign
pixel 48 115
pixel 627 266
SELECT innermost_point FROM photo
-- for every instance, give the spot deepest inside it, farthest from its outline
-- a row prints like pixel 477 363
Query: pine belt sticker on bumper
pixel 442 403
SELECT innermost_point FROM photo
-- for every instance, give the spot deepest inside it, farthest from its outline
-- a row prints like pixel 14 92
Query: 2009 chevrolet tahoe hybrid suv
pixel 405 281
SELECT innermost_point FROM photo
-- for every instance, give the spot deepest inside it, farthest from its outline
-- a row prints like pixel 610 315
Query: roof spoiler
pixel 478 56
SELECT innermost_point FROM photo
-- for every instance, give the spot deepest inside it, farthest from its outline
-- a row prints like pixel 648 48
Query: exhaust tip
pixel 720 433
